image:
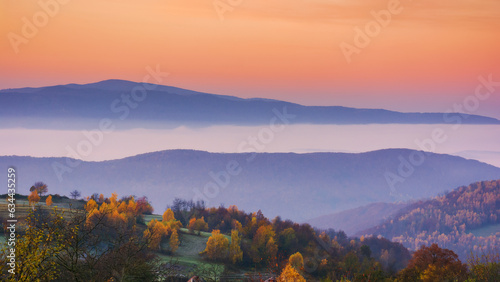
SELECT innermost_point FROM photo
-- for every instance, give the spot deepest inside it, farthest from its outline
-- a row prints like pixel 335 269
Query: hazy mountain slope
pixel 448 220
pixel 82 106
pixel 361 218
pixel 296 186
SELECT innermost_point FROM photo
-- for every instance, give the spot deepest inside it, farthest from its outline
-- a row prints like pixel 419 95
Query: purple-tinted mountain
pixel 76 106
pixel 358 219
pixel 295 186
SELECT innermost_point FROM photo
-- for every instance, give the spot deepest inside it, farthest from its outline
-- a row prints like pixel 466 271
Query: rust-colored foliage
pixel 33 198
pixel 48 201
pixel 434 264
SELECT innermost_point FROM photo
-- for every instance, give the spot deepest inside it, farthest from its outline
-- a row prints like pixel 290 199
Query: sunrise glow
pixel 426 58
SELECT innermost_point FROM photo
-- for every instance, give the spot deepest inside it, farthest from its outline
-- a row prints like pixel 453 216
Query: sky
pixel 426 57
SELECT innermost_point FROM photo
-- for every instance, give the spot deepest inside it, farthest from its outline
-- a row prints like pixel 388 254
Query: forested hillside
pixel 450 220
pixel 352 221
pixel 122 241
pixel 307 185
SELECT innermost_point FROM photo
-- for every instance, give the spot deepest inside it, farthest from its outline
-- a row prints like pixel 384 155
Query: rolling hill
pixel 295 186
pixel 459 220
pixel 76 106
pixel 352 221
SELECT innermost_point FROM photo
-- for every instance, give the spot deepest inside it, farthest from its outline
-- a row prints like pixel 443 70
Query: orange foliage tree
pixel 33 198
pixel 48 201
pixel 168 215
pixel 155 231
pixel 90 205
pixel 169 220
pixel 197 224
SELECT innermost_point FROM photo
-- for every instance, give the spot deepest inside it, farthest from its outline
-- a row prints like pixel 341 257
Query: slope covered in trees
pixel 108 238
pixel 352 221
pixel 448 220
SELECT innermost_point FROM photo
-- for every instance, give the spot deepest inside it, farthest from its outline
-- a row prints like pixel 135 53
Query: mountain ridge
pixel 82 105
pixel 307 185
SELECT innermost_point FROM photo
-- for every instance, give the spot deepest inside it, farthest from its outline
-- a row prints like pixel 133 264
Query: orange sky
pixel 426 59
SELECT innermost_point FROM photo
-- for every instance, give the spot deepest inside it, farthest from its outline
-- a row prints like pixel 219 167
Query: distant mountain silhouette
pixel 76 106
pixel 295 186
pixel 358 219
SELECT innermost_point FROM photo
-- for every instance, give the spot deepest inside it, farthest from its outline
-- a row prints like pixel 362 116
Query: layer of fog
pixel 481 142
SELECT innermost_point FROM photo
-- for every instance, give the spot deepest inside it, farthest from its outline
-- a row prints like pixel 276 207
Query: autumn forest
pixel 121 239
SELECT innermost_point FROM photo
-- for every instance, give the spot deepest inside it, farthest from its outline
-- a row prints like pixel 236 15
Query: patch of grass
pixel 196 233
pixel 149 217
pixel 191 245
pixel 188 253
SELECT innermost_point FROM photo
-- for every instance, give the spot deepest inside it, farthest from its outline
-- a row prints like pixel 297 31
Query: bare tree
pixel 75 194
pixel 40 188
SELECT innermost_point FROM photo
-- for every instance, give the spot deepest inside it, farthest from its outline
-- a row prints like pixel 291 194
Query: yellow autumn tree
pixel 296 261
pixel 90 205
pixel 48 201
pixel 35 251
pixel 237 225
pixel 169 220
pixel 235 252
pixel 114 199
pixel 122 207
pixel 101 198
pixel 155 232
pixel 174 241
pixel 131 207
pixel 264 249
pixel 289 274
pixel 168 215
pixel 217 246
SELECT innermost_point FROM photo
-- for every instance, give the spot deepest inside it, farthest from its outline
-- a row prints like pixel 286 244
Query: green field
pixel 149 217
pixel 187 255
